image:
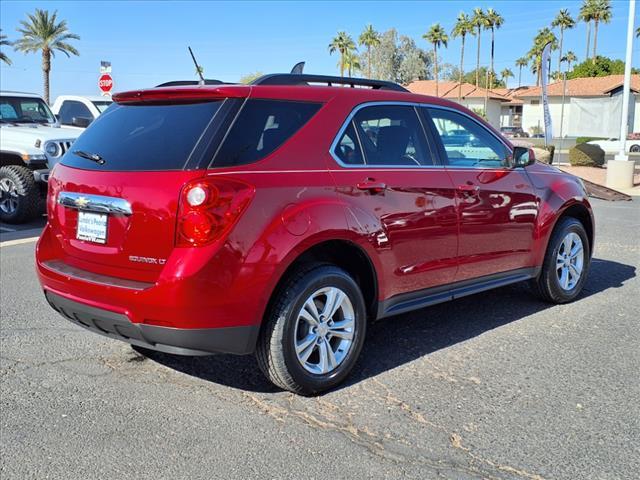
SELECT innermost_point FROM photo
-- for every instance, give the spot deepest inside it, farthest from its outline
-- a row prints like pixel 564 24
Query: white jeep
pixel 31 142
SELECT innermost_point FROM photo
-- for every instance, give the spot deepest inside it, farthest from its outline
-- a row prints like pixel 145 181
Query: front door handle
pixel 469 189
pixel 372 186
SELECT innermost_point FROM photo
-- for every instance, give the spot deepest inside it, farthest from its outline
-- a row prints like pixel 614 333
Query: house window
pixel 535 102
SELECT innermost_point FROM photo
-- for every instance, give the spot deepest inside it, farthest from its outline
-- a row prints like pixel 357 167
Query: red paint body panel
pixel 419 232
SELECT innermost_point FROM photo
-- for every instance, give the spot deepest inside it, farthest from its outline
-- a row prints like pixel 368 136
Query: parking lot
pixel 497 385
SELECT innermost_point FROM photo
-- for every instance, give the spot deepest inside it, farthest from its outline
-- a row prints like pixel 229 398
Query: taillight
pixel 209 208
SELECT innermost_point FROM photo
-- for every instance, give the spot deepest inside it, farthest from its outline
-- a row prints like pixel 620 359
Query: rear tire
pixel 566 263
pixel 314 331
pixel 20 196
pixel 635 148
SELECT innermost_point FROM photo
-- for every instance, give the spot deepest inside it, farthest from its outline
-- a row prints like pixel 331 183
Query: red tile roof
pixel 585 87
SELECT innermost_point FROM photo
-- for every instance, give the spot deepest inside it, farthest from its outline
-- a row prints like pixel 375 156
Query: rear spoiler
pixel 182 94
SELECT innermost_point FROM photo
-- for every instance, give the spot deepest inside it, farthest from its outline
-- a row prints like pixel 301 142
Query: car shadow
pixel 33 228
pixel 398 340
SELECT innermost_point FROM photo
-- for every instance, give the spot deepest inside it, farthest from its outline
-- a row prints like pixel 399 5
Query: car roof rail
pixel 306 79
pixel 178 83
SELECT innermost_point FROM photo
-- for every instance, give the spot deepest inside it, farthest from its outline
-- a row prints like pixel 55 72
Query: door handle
pixel 372 186
pixel 468 189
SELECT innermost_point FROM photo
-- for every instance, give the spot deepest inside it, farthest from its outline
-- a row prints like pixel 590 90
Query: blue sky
pixel 147 41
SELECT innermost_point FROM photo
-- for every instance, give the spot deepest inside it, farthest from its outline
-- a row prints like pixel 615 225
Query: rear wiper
pixel 94 157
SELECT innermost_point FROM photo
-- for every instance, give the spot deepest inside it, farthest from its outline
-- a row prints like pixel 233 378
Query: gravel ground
pixel 497 385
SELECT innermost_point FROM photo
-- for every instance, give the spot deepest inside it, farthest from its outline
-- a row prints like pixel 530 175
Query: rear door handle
pixel 465 188
pixel 372 186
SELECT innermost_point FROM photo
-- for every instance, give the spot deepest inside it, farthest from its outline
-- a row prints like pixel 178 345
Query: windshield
pixel 24 110
pixel 102 105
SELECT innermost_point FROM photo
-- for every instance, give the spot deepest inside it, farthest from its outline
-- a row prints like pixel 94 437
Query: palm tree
pixel 543 37
pixel 43 33
pixel 569 58
pixel 369 38
pixel 479 21
pixel 521 62
pixel 494 21
pixel 637 32
pixel 351 62
pixel 461 29
pixel 601 13
pixel 506 74
pixel 564 21
pixel 438 37
pixel 586 15
pixel 4 41
pixel 342 43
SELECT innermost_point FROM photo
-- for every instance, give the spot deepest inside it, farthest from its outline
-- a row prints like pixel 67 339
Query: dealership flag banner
pixel 544 71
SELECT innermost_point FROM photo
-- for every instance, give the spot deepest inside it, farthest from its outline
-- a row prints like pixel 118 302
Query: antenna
pixel 297 68
pixel 198 67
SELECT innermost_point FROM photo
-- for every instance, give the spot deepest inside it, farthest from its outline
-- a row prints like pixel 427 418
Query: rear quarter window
pixel 143 136
pixel 261 127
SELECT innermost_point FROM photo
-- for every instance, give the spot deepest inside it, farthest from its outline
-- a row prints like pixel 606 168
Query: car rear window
pixel 143 136
pixel 261 127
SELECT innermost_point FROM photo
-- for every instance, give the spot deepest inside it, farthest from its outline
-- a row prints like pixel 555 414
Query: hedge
pixel 580 140
pixel 586 155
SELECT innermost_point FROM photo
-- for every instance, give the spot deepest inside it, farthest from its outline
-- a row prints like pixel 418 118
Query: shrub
pixel 586 155
pixel 587 139
pixel 544 154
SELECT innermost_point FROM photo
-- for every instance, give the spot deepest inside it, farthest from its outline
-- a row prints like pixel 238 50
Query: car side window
pixel 392 135
pixel 72 108
pixel 348 148
pixel 466 143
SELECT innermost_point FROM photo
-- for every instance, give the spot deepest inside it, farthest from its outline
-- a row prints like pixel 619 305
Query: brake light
pixel 208 210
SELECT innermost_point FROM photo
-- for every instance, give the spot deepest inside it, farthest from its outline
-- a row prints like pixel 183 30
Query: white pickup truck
pixel 31 142
pixel 75 111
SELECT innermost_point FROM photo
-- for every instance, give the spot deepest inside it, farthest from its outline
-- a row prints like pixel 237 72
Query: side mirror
pixel 523 156
pixel 82 122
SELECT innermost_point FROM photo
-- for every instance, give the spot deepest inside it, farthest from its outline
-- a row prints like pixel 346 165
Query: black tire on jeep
pixel 19 194
pixel 314 330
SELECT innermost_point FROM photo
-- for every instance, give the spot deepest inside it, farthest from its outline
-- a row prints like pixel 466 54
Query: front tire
pixel 19 195
pixel 566 263
pixel 314 332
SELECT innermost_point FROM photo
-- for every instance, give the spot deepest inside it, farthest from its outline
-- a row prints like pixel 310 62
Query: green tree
pixel 543 37
pixel 351 62
pixel 569 58
pixel 506 74
pixel 479 21
pixel 601 13
pixel 469 77
pixel 494 21
pixel 461 29
pixel 602 67
pixel 438 38
pixel 369 38
pixel 586 16
pixel 399 59
pixel 42 32
pixel 637 32
pixel 342 43
pixel 564 21
pixel 4 41
pixel 250 77
pixel 521 62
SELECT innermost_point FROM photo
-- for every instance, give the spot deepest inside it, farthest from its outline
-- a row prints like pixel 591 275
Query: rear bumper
pixel 194 341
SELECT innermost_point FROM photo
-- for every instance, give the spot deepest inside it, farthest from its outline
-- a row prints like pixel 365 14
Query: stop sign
pixel 105 83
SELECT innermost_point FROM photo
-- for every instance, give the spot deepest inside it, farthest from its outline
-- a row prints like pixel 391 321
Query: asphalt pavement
pixel 498 385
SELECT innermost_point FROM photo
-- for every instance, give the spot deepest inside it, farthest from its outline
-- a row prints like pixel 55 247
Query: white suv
pixel 31 142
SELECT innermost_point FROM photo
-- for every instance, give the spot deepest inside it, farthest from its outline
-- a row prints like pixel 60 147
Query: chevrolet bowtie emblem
pixel 81 202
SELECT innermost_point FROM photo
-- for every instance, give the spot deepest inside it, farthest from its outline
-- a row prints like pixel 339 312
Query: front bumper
pixel 181 341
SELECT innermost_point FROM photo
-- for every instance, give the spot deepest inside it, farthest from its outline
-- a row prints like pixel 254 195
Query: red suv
pixel 281 217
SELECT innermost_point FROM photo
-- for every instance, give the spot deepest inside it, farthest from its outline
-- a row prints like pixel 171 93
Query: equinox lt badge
pixel 151 260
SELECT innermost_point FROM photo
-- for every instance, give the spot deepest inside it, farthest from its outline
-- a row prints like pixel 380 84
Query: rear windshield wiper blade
pixel 94 157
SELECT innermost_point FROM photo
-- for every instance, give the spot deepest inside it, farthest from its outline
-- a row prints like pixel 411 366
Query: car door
pixel 497 205
pixel 71 109
pixel 396 196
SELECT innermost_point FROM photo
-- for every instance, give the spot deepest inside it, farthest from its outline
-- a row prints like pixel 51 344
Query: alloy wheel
pixel 324 330
pixel 570 261
pixel 8 196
